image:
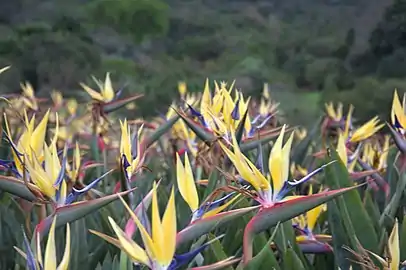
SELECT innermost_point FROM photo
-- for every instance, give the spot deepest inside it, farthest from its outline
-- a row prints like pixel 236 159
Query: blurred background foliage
pixel 308 51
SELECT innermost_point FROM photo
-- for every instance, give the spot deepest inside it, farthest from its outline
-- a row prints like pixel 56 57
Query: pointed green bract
pixel 203 226
pixel 18 188
pixel 70 213
pixel 198 129
pixel 118 104
pixel 283 211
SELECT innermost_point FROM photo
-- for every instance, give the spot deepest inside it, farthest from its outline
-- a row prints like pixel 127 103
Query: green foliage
pixel 50 56
pixel 137 18
pixel 156 43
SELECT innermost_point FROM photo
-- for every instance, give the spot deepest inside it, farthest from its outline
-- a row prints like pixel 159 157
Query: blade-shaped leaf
pixel 300 150
pixel 159 132
pixel 283 211
pixel 340 237
pixel 291 261
pixel 205 225
pixel 402 243
pixel 351 206
pixel 266 257
pixel 217 249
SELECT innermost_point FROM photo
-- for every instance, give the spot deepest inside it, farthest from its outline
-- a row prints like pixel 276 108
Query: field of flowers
pixel 218 182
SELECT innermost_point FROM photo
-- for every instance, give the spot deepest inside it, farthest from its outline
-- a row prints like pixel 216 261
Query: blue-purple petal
pixel 310 175
pixel 193 111
pixel 92 184
pixel 260 159
pixel 182 259
pixel 210 206
pixel 264 122
pixel 254 121
pixel 31 261
pixel 61 173
pixel 235 114
pixel 125 164
pixel 76 192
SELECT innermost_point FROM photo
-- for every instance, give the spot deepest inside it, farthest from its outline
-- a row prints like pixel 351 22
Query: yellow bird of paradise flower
pixel 73 171
pixel 268 194
pixel 49 178
pixel 31 141
pixel 159 246
pixel 29 96
pixel 376 155
pixel 363 132
pixel 398 113
pixel 182 88
pixel 188 191
pixel 335 114
pixel 308 220
pixel 393 249
pixel 221 112
pixel 130 149
pixel 106 93
pixel 181 131
pixel 49 261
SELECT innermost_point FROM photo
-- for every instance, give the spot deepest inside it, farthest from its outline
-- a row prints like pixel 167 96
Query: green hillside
pixel 308 51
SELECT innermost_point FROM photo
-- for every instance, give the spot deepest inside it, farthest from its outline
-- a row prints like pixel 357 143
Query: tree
pixel 386 44
pixel 136 18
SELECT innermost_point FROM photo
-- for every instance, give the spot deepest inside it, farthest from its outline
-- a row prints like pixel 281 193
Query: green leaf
pixel 339 235
pixel 211 186
pixel 265 259
pixel 300 150
pixel 125 263
pixel 402 243
pixel 372 210
pixel 218 250
pixel 351 206
pixel 391 209
pixel 80 247
pixel 286 236
pixel 159 132
pixel 291 261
